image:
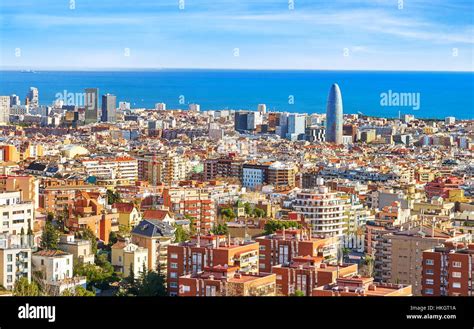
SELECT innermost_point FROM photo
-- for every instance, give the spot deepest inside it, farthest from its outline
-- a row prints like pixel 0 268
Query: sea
pixel 429 95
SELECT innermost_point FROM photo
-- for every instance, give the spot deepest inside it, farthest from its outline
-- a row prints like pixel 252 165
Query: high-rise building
pixel 245 120
pixel 406 251
pixel 194 107
pixel 109 108
pixel 160 106
pixel 33 97
pixel 15 100
pixel 322 210
pixel 296 125
pixel 262 108
pixel 4 109
pixel 91 104
pixel 334 118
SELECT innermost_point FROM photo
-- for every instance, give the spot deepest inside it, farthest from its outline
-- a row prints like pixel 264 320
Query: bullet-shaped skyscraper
pixel 334 116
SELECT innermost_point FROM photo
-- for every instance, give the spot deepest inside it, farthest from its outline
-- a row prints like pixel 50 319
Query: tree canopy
pixel 50 237
pixel 24 288
pixel 275 225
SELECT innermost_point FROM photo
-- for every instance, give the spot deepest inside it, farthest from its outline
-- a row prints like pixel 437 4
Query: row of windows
pixel 454 264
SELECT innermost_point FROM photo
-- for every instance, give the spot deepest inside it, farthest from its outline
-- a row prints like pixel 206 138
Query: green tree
pixel 257 212
pixel 248 209
pixel 50 237
pixel 298 293
pixel 220 229
pixel 192 226
pixel 274 225
pixel 78 292
pixel 113 197
pixel 228 213
pixel 24 288
pixel 88 234
pixel 97 276
pixel 112 238
pixel 149 283
pixel 124 230
pixel 181 234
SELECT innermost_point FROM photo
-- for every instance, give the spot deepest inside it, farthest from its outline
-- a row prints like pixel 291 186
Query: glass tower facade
pixel 334 116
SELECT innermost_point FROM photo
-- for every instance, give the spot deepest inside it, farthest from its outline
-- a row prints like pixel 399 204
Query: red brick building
pixel 226 281
pixel 306 273
pixel 284 245
pixel 201 252
pixel 448 269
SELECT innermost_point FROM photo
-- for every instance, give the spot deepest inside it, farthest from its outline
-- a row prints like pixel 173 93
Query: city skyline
pixel 239 35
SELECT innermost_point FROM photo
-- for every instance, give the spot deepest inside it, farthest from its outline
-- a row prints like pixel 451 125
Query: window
pixel 429 262
pixel 429 291
pixel 173 285
pixel 429 272
pixel 457 264
pixel 173 275
pixel 262 248
pixel 9 258
pixel 9 278
pixel 174 256
pixel 9 268
pixel 42 262
pixel 429 281
pixel 457 285
pixel 210 291
pixel 120 259
pixel 456 274
pixel 174 265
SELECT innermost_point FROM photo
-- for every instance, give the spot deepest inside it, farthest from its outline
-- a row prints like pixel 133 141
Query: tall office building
pixel 14 100
pixel 109 108
pixel 33 97
pixel 296 125
pixel 91 104
pixel 334 118
pixel 4 109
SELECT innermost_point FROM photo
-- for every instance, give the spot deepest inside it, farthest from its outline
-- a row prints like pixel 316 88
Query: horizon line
pixel 138 69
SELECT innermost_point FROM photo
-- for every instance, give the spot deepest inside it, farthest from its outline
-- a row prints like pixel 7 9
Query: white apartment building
pixel 15 213
pixel 323 210
pixel 112 168
pixel 56 267
pixel 15 260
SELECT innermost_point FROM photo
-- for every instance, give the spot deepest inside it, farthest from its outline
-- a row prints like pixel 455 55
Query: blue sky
pixel 267 34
